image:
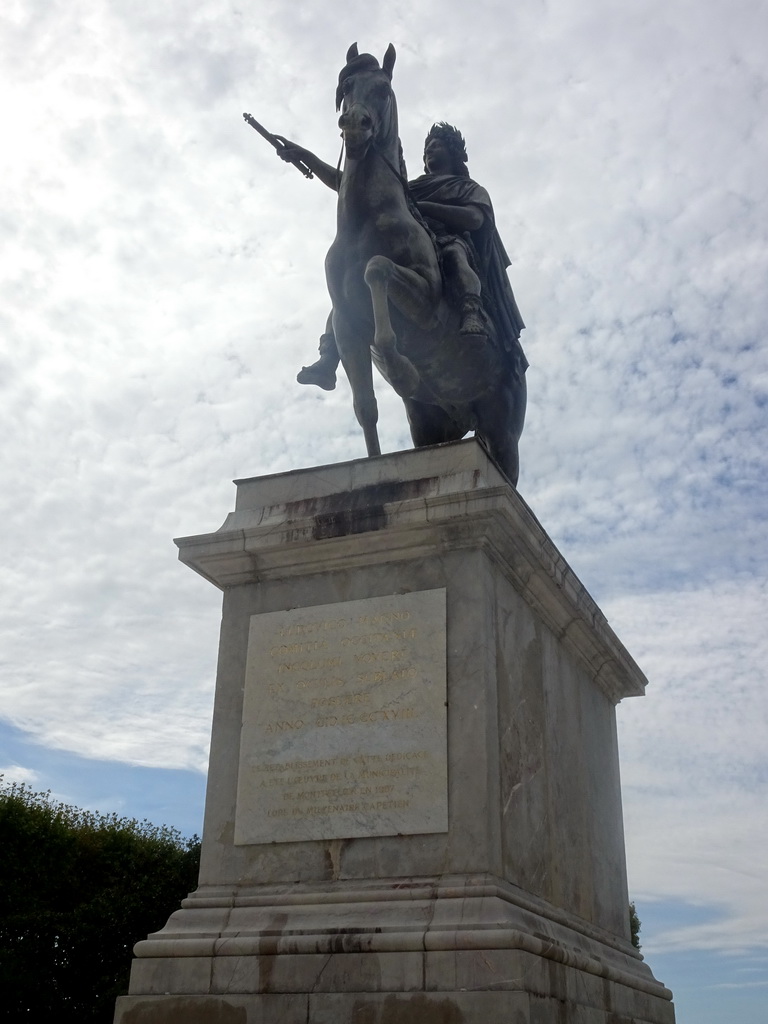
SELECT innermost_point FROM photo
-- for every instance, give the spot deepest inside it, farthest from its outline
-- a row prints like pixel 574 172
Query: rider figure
pixel 473 260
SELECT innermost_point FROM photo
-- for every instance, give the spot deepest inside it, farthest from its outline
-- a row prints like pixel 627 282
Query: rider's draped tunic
pixel 487 255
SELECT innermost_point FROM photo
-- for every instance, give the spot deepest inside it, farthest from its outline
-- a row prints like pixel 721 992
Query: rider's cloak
pixel 491 256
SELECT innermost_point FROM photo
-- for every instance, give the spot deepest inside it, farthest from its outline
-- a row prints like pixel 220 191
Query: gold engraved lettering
pixel 381 715
pixel 370 639
pixel 302 780
pixel 324 809
pixel 387 805
pixel 339 701
pixel 284 726
pixel 382 618
pixel 369 656
pixel 307 647
pixel 334 793
pixel 271 782
pixel 320 684
pixel 390 773
pixel 307 628
pixel 385 676
pixel 337 686
pixel 309 666
pixel 322 723
pixel 300 766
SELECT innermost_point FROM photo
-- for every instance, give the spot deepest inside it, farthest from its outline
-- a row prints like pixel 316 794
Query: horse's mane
pixel 412 207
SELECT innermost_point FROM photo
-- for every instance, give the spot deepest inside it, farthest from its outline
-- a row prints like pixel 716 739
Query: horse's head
pixel 366 100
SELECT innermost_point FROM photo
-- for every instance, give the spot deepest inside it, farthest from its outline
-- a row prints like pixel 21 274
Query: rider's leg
pixel 465 283
pixel 323 371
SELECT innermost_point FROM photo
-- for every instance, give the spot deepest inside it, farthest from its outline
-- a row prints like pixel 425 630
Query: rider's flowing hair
pixel 454 142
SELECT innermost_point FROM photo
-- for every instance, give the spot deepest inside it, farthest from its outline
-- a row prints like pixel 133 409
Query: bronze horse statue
pixel 389 302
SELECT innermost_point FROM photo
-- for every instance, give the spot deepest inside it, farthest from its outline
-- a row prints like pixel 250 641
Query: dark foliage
pixel 77 891
pixel 634 926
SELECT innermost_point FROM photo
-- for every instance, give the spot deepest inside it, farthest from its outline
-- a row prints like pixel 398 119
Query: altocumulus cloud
pixel 162 283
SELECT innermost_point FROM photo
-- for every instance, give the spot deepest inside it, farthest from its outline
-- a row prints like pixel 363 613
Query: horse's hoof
pixel 325 379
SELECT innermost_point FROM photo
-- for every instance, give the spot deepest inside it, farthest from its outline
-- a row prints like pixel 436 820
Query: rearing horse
pixel 385 282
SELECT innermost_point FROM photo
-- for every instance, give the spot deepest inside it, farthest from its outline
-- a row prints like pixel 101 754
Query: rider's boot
pixel 323 372
pixel 473 327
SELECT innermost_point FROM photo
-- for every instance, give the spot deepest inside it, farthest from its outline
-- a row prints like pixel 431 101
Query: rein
pixel 380 152
pixel 415 211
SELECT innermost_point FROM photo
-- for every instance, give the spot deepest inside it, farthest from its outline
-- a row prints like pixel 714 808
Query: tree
pixel 634 926
pixel 77 890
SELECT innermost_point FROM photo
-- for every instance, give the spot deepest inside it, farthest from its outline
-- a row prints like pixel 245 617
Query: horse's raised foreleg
pixel 412 296
pixel 408 291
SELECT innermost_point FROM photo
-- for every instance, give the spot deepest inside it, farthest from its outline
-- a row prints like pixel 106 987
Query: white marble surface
pixel 405 507
pixel 344 721
pixel 445 468
pixel 519 910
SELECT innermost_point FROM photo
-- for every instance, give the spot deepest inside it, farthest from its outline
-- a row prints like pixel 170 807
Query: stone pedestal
pixel 413 811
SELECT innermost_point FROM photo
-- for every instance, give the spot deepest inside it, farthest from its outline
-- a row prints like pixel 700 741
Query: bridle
pixel 379 152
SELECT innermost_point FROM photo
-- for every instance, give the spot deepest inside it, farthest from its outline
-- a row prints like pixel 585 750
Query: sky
pixel 162 283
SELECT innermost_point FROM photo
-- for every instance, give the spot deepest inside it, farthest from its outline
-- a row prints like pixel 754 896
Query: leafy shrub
pixel 634 926
pixel 78 889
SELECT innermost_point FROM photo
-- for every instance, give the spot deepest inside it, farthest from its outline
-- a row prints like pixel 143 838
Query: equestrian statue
pixel 417 278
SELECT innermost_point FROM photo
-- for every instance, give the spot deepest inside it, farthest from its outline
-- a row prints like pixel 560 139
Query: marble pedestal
pixel 413 812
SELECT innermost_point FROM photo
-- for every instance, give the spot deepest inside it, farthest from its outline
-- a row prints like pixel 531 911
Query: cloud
pixel 15 774
pixel 161 283
pixel 742 984
pixel 693 758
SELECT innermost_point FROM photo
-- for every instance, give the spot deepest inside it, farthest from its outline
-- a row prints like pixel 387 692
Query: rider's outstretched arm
pixel 323 171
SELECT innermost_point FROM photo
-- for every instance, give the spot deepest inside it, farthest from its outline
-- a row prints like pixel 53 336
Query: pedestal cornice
pixel 402 507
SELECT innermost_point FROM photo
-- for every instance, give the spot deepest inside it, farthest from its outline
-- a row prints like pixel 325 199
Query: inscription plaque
pixel 344 721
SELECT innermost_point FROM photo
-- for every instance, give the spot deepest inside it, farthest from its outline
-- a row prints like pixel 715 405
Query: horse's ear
pixel 352 52
pixel 389 60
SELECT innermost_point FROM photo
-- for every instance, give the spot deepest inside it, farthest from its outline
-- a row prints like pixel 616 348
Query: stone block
pixel 485 881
